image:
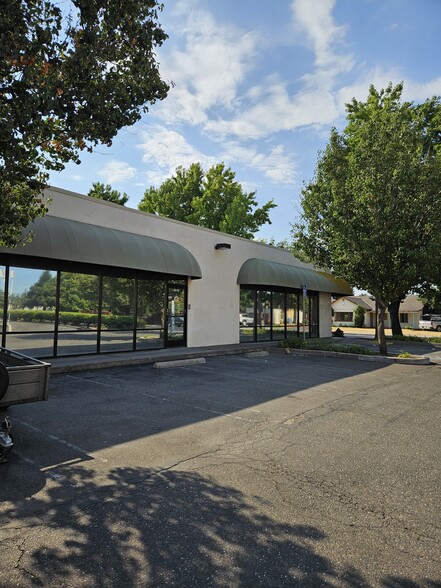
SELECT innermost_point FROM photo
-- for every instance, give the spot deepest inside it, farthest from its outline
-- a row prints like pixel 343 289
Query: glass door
pixel 175 316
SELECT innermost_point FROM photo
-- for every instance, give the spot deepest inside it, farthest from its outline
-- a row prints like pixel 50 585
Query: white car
pixel 430 322
pixel 246 319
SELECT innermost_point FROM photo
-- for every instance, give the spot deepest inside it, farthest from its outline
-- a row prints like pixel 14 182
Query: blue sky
pixel 258 84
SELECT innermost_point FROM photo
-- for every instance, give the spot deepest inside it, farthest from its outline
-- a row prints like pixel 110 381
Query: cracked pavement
pixel 268 471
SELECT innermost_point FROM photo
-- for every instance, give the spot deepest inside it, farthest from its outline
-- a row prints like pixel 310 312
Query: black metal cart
pixel 22 379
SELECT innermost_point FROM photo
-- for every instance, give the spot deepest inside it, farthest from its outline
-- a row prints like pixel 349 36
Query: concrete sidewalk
pixel 106 360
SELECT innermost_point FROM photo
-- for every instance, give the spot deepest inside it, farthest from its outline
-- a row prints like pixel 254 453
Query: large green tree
pixel 42 293
pixel 71 75
pixel 372 214
pixel 106 192
pixel 212 199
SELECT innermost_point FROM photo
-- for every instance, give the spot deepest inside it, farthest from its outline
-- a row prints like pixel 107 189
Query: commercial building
pixel 98 277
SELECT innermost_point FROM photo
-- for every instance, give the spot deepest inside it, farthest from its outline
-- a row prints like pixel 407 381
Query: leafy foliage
pixel 430 295
pixel 372 214
pixel 71 77
pixel 79 294
pixel 359 317
pixel 41 294
pixel 106 192
pixel 211 199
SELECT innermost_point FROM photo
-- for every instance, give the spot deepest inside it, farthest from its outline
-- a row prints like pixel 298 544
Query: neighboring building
pixel 411 309
pixel 99 277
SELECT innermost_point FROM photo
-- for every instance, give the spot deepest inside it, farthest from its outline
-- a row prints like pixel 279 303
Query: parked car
pixel 246 319
pixel 178 321
pixel 430 322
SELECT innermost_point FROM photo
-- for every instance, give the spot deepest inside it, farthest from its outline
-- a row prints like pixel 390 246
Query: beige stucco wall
pixel 213 300
pixel 325 317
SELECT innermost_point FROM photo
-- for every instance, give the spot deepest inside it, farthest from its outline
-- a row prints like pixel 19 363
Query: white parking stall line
pixel 169 400
pixel 57 439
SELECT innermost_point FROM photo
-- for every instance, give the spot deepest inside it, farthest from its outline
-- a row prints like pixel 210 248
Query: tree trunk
pixel 382 309
pixel 394 308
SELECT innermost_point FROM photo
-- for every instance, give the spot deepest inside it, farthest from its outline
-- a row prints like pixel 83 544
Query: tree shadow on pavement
pixel 138 527
pixel 395 582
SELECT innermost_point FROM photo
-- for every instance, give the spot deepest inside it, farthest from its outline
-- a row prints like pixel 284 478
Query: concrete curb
pixel 256 354
pixel 161 365
pixel 417 360
pixel 138 358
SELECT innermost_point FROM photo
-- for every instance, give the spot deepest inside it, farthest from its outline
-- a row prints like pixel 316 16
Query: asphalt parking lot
pixel 277 470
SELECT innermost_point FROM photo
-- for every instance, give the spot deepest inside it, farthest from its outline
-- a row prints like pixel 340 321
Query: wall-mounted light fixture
pixel 222 246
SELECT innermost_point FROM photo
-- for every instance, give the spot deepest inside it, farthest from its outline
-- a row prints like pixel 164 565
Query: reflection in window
pixel 292 316
pixel 304 316
pixel 314 312
pixel 278 315
pixel 263 307
pixel 117 314
pixel 175 314
pixel 150 314
pixel 78 318
pixel 45 313
pixel 246 314
pixel 30 318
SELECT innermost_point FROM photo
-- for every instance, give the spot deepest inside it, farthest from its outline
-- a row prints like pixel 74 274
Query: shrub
pixel 293 342
pixel 359 317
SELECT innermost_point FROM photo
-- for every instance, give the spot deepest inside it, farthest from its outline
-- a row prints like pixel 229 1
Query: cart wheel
pixel 5 452
pixel 4 380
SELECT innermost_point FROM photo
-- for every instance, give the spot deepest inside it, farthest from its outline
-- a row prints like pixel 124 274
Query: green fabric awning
pixel 260 272
pixel 68 240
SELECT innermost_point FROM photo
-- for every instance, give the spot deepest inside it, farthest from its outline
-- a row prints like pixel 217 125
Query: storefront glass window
pixel 246 315
pixel 117 314
pixel 263 308
pixel 292 315
pixel 278 315
pixel 150 315
pixel 78 317
pixel 30 316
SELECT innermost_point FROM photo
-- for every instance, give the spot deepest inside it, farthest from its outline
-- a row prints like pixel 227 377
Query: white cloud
pixel 208 67
pixel 419 92
pixel 167 150
pixel 117 171
pixel 272 107
pixel 277 111
pixel 278 166
pixel 315 19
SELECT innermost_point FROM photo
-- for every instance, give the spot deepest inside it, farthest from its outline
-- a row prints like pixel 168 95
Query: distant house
pixel 343 310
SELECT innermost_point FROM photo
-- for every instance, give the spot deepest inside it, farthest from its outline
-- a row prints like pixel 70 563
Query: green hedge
pixel 294 342
pixel 76 319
